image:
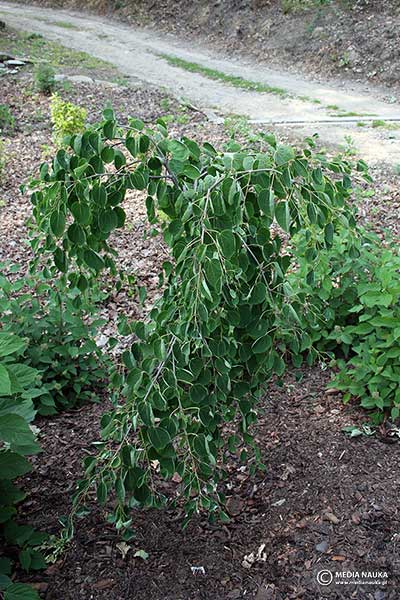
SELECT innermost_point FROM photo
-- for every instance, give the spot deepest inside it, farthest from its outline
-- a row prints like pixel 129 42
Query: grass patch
pixel 353 114
pixel 38 49
pixel 385 125
pixel 64 24
pixel 309 99
pixel 234 80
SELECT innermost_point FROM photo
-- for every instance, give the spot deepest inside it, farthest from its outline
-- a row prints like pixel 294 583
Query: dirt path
pixel 306 106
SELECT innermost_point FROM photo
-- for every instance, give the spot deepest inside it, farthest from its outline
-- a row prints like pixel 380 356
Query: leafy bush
pixel 18 383
pixel 59 368
pixel 44 78
pixel 7 120
pixel 228 319
pixel 67 118
pixel 329 290
pixel 352 310
pixel 61 341
pixel 373 372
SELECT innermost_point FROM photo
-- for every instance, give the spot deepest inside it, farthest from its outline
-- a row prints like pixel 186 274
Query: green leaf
pixel 120 490
pixel 61 260
pixel 175 228
pixel 23 375
pixel 225 518
pixel 108 220
pixel 24 407
pixel 25 559
pixel 15 431
pixel 13 465
pixel 132 145
pixel 5 383
pixel 81 212
pixel 259 293
pixel 159 437
pixel 191 172
pixel 4 581
pixel 373 298
pixel 108 114
pixel 206 290
pixel 266 203
pixel 76 234
pixel 144 144
pixel 213 272
pixel 137 124
pixel 329 233
pixel 312 213
pixel 11 344
pixel 227 243
pixel 107 154
pixel 57 223
pixel 101 492
pixel 283 154
pixel 282 215
pixel 178 150
pixel 93 260
pixel 137 180
pixel 109 129
pixel 20 591
pixel 262 345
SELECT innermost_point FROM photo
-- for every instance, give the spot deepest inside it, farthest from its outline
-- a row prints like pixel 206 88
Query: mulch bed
pixel 325 499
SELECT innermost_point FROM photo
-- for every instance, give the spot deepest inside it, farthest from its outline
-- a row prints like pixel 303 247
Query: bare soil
pixel 325 501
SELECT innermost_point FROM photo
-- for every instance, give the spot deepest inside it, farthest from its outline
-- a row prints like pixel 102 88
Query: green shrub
pixel 7 120
pixel 61 341
pixel 352 311
pixel 52 364
pixel 18 385
pixel 44 78
pixel 372 373
pixel 228 319
pixel 67 119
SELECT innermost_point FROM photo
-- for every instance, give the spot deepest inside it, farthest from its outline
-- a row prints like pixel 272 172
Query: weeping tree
pixel 229 317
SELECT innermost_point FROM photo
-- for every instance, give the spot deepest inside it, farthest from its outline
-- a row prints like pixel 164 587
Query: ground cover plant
pixel 49 362
pixel 61 330
pixel 18 384
pixel 353 315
